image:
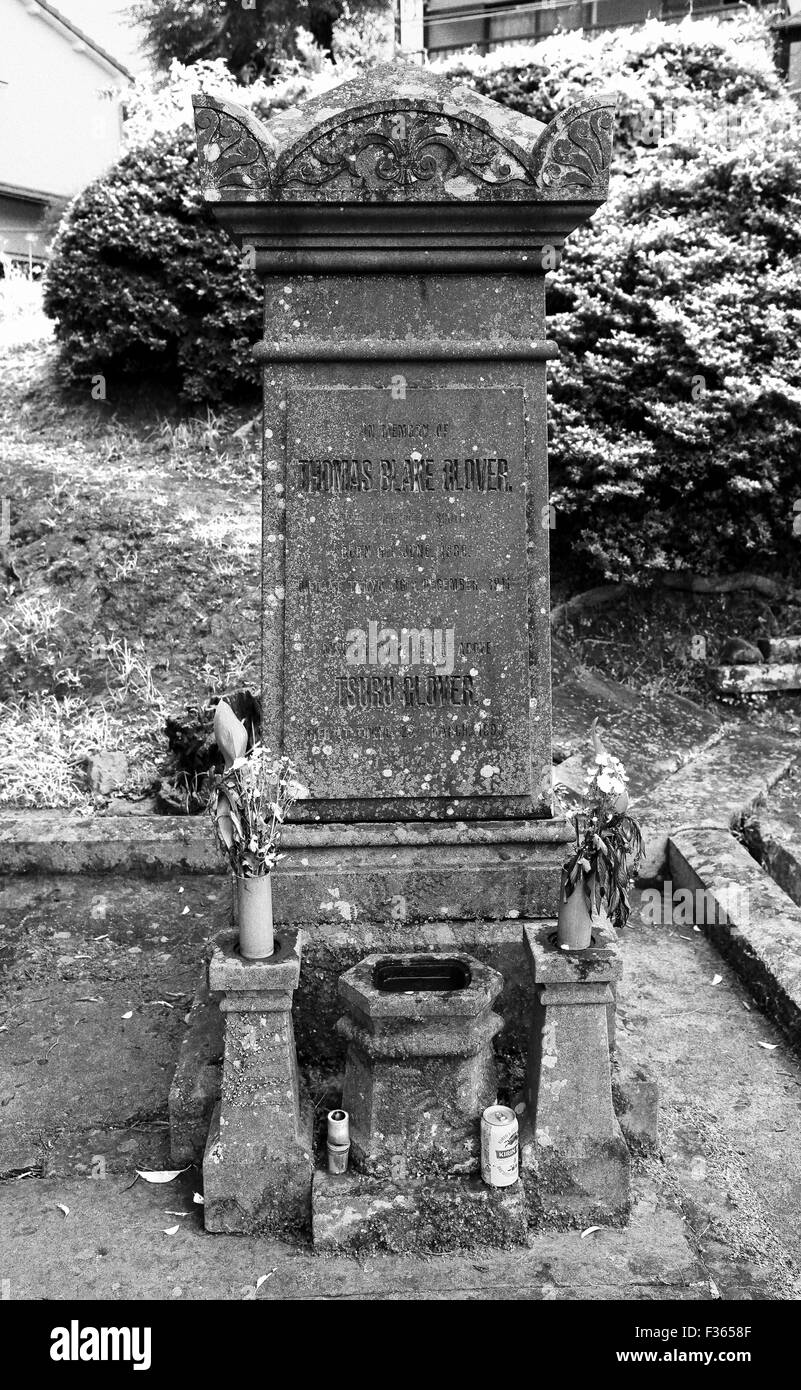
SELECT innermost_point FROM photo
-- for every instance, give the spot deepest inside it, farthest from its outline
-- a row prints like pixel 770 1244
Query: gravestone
pixel 402 227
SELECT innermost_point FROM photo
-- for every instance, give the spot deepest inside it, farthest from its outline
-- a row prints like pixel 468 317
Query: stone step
pixel 748 680
pixel 780 648
pixel 773 834
pixel 777 845
pixel 48 842
pixel 716 788
pixel 754 924
pixel 653 737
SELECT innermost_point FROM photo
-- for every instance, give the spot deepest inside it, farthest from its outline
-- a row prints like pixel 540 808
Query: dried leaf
pixel 769 1047
pixel 166 1175
pixel 717 979
pixel 63 1208
pixel 262 1279
pixel 129 1014
pixel 230 734
pixel 185 911
pixel 590 1231
pixel 170 1230
pixel 198 1198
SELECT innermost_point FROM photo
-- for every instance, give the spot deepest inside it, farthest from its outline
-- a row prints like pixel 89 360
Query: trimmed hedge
pixel 676 404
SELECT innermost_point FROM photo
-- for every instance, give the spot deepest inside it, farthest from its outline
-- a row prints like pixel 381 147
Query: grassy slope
pixel 131 580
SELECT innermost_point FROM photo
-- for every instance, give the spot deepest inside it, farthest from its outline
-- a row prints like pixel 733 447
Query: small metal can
pixel 499 1149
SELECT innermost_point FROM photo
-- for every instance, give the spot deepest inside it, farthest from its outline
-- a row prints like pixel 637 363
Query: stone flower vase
pixel 574 924
pixel 253 916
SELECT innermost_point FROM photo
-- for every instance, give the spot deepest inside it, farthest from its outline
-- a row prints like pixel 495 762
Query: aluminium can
pixel 499 1146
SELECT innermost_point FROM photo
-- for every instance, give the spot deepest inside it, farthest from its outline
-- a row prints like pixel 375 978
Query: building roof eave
pixel 30 195
pixel 53 14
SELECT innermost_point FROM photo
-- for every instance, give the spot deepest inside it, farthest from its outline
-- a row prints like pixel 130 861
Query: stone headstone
pixel 402 227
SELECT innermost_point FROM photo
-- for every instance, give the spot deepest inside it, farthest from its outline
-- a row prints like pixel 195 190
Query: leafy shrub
pixel 677 401
pixel 676 404
pixel 142 282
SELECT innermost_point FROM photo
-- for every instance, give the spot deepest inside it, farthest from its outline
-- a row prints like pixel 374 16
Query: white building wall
pixel 57 129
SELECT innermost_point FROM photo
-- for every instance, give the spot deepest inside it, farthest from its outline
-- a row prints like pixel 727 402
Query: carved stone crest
pixel 401 154
pixel 419 145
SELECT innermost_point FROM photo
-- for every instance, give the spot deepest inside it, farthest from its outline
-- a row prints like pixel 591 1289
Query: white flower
pixel 609 783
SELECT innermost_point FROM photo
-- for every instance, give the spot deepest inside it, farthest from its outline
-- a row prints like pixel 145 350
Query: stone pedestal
pixel 420 1068
pixel 574 1160
pixel 258 1161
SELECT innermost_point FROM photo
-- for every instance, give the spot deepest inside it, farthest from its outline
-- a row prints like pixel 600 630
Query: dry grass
pixel 130 586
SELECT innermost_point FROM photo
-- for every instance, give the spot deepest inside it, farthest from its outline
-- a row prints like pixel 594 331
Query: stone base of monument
pixel 574 1160
pixel 424 1215
pixel 258 1160
pixel 420 1070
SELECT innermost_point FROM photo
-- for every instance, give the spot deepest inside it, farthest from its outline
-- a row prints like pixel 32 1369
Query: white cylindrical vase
pixel 254 899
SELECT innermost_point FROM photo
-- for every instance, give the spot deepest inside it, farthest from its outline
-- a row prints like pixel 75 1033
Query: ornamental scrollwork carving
pixel 573 156
pixel 232 156
pixel 400 155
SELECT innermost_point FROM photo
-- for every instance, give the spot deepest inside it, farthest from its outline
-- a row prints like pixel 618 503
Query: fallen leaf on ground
pixel 89 999
pixel 262 1279
pixel 184 912
pixel 717 979
pixel 129 1014
pixel 165 1175
pixel 170 1230
pixel 62 1207
pixel 589 1231
pixel 769 1047
pixel 746 1006
pixel 199 1198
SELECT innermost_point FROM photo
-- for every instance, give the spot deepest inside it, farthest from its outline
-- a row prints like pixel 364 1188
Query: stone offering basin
pixel 420 1067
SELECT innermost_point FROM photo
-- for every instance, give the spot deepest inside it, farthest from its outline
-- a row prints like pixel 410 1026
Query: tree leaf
pixel 162 1175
